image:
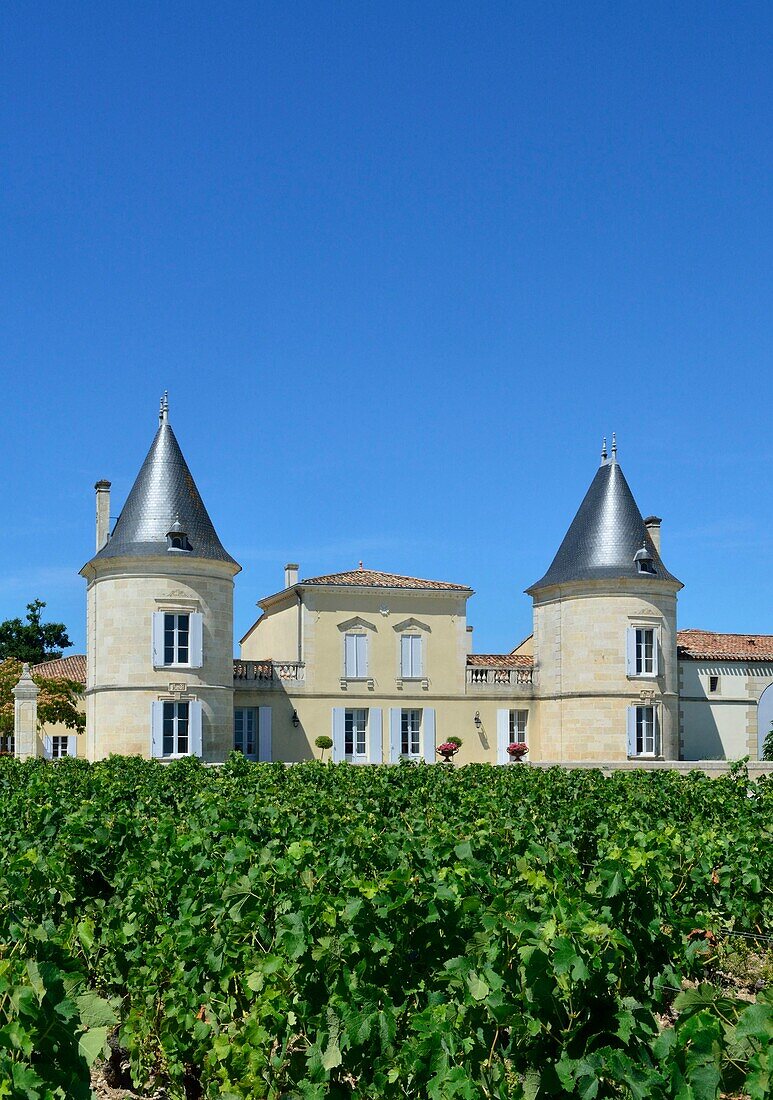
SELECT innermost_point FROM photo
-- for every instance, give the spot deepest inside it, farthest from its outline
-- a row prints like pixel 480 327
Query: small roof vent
pixel 177 538
pixel 644 560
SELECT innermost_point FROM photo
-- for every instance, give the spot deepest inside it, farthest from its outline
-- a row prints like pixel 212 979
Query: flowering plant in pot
pixel 517 750
pixel 449 748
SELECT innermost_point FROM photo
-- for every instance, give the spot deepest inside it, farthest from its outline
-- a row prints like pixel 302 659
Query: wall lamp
pixel 476 719
pixel 295 719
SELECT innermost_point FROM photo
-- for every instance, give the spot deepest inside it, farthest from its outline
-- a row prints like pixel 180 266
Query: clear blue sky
pixel 400 267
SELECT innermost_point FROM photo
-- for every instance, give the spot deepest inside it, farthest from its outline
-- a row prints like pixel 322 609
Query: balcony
pixel 269 673
pixel 500 673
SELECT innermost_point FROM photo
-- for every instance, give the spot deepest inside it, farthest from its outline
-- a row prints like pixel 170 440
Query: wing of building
pixel 382 663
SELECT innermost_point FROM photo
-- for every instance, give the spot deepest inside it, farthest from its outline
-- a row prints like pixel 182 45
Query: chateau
pixel 382 663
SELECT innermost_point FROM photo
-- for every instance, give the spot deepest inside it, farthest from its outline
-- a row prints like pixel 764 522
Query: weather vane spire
pixel 163 412
pixel 604 449
pixel 614 447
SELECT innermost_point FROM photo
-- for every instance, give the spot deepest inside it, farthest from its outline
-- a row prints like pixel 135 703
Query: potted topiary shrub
pixel 516 750
pixel 324 742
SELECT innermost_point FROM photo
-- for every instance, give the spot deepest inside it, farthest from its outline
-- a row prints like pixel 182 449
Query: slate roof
pixel 707 645
pixel 66 668
pixel 604 536
pixel 163 493
pixel 372 578
pixel 500 660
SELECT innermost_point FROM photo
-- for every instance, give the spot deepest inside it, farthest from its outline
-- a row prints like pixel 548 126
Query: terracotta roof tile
pixel 372 578
pixel 707 645
pixel 500 660
pixel 66 668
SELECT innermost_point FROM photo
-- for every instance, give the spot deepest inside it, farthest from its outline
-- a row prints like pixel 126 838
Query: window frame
pixel 176 631
pixel 359 748
pixel 242 713
pixel 7 744
pixel 517 734
pixel 411 753
pixel 174 704
pixel 636 651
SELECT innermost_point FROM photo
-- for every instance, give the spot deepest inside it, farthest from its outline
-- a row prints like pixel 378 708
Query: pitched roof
pixel 163 493
pixel 372 578
pixel 500 660
pixel 72 667
pixel 707 645
pixel 604 536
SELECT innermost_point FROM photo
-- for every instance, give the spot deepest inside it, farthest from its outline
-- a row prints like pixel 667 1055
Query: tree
pixel 767 745
pixel 58 700
pixel 33 641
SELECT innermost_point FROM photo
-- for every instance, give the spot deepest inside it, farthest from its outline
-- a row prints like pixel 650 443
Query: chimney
pixel 103 513
pixel 469 639
pixel 652 523
pixel 291 574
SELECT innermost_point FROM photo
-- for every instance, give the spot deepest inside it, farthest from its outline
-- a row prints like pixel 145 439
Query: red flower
pixel 517 748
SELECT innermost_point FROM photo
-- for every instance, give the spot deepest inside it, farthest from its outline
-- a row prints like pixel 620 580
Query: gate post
pixel 25 716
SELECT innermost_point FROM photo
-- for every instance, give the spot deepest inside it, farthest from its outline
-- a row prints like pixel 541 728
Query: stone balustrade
pixel 269 672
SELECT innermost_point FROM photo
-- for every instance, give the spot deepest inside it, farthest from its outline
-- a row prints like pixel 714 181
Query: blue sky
pixel 400 267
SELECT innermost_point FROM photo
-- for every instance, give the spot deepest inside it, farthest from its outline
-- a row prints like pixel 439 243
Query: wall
pixel 121 680
pixel 721 725
pixel 581 670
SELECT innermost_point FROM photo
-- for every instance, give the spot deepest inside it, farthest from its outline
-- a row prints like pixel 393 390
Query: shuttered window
pixel 410 657
pixel 246 731
pixel 355 656
pixel 355 733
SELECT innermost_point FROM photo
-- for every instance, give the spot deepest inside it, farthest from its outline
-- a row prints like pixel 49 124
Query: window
pixel 246 731
pixel 176 729
pixel 355 734
pixel 410 657
pixel 7 744
pixel 177 633
pixel 642 651
pixel 177 639
pixel 355 656
pixel 59 746
pixel 410 733
pixel 643 731
pixel 713 685
pixel 518 719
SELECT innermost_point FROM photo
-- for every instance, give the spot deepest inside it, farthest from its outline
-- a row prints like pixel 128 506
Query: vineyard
pixel 384 932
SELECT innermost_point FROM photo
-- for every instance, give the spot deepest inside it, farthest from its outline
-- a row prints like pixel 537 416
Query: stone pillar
pixel 103 513
pixel 25 716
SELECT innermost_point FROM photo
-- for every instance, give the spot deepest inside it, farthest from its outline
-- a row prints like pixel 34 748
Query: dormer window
pixel 645 563
pixel 177 538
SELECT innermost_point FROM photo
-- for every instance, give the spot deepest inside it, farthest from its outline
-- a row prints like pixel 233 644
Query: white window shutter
pixel 429 734
pixel 405 656
pixel 631 731
pixel 630 650
pixel 195 739
pixel 265 745
pixel 350 655
pixel 656 730
pixel 655 651
pixel 158 639
pixel 339 745
pixel 196 651
pixel 417 663
pixel 48 746
pixel 503 736
pixel 375 751
pixel 362 654
pixel 72 744
pixel 157 729
pixel 395 734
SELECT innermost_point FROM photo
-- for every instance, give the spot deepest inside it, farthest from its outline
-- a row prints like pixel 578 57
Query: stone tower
pixel 605 633
pixel 159 618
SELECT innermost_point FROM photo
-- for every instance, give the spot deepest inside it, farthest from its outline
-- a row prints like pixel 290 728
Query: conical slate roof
pixel 604 536
pixel 164 494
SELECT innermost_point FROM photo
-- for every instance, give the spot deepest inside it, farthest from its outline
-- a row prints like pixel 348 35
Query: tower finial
pixel 604 450
pixel 614 447
pixel 163 412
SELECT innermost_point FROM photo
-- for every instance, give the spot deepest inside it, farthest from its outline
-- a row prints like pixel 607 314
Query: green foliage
pixel 381 933
pixel 58 700
pixel 767 745
pixel 33 641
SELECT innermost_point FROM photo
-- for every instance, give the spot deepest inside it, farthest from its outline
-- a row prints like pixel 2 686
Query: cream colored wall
pixel 721 725
pixel 275 635
pixel 581 669
pixel 121 680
